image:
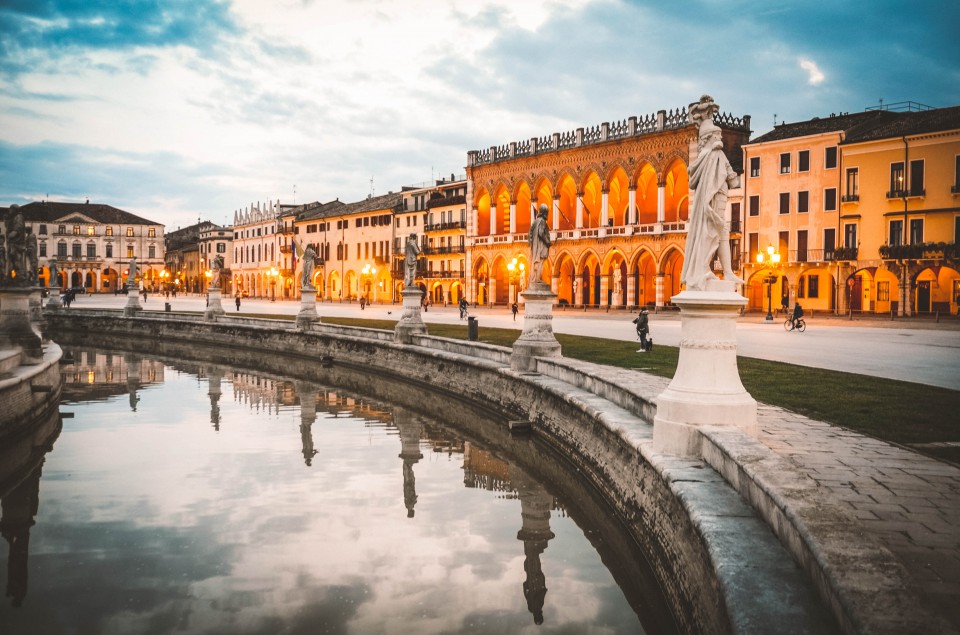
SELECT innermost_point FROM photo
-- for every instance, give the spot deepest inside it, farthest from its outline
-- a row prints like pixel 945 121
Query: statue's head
pixel 544 210
pixel 412 236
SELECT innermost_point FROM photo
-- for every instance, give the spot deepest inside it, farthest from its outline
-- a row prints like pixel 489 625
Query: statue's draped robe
pixel 709 174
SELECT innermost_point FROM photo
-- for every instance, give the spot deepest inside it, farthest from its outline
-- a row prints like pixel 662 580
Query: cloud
pixel 815 76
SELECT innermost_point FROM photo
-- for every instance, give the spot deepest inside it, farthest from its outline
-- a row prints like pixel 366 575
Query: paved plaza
pixel 894 497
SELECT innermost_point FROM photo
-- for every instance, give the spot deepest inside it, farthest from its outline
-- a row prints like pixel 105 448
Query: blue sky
pixel 185 109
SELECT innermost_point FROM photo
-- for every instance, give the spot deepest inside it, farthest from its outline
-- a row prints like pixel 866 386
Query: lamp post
pixel 772 260
pixel 164 274
pixel 516 270
pixel 368 273
pixel 273 284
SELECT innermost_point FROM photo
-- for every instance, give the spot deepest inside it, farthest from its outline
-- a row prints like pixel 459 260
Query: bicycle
pixel 800 325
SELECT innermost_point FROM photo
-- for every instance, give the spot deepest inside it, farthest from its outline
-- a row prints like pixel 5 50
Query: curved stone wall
pixel 720 567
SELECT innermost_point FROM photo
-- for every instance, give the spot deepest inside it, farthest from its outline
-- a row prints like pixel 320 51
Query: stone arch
pixel 481 277
pixel 567 190
pixel 671 264
pixel 592 200
pixel 675 191
pixel 618 195
pixel 614 273
pixel 565 275
pixel 646 195
pixel 336 285
pixel 499 280
pixel 643 278
pixel 815 288
pixel 482 204
pixel 500 209
pixel 523 197
pixel 589 272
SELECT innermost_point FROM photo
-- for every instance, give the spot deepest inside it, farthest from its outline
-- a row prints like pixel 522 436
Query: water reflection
pixel 190 504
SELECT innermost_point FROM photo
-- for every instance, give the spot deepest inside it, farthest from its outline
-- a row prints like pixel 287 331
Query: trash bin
pixel 166 306
pixel 473 329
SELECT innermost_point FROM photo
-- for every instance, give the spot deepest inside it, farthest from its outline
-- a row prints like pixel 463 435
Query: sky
pixel 179 110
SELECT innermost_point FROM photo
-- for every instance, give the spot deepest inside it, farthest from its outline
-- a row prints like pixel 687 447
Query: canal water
pixel 198 498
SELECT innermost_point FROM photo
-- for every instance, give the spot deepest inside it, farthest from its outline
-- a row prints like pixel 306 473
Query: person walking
pixel 238 301
pixel 643 328
pixel 514 308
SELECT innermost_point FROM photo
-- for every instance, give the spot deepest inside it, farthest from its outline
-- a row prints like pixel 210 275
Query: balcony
pixel 840 254
pixel 439 227
pixel 449 274
pixel 955 189
pixel 443 249
pixel 920 251
pixel 852 198
pixel 911 193
pixel 286 249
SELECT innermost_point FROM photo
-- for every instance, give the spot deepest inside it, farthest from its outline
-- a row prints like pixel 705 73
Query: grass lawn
pixel 887 409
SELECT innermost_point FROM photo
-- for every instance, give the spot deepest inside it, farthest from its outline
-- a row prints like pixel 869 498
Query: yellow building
pixel 617 199
pixel 828 198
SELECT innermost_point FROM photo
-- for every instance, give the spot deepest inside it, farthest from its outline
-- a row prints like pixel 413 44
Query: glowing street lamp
pixel 368 272
pixel 516 270
pixel 273 284
pixel 772 260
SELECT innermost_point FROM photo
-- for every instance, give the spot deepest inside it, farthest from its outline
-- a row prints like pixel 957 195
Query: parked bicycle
pixel 798 324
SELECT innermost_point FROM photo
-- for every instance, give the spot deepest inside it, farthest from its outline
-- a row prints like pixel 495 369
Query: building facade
pixel 617 197
pixel 862 209
pixel 256 251
pixel 92 245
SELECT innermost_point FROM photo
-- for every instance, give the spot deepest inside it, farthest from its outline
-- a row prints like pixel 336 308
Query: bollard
pixel 473 329
pixel 166 307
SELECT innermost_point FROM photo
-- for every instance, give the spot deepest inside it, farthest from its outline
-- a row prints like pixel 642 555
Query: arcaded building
pixel 617 197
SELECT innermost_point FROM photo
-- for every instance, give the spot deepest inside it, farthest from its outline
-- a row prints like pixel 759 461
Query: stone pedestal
pixel 308 307
pixel 54 303
pixel 410 323
pixel 537 339
pixel 16 331
pixel 706 389
pixel 214 307
pixel 133 301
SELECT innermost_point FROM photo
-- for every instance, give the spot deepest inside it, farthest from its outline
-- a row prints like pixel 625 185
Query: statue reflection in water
pixel 411 428
pixel 535 506
pixel 19 509
pixel 133 378
pixel 214 391
pixel 308 414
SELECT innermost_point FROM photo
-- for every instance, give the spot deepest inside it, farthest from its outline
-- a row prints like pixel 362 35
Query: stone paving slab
pixel 908 502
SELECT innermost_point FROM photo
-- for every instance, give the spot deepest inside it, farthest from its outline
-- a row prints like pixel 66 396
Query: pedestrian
pixel 643 327
pixel 238 301
pixel 514 308
pixel 363 302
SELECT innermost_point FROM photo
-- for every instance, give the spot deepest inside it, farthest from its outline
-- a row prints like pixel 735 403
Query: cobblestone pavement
pixel 911 503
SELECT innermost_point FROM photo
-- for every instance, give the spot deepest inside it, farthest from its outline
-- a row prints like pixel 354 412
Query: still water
pixel 188 498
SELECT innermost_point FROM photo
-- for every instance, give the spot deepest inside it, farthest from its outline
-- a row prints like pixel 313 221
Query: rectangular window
pixel 755 166
pixel 76 230
pixel 91 250
pixel 850 235
pixel 956 229
pixel 753 244
pixel 62 229
pixel 152 232
pixel 90 230
pixel 803 161
pixel 883 291
pixel 61 250
pixel 109 249
pixel 784 203
pixel 916 231
pixel 830 158
pixel 916 178
pixel 77 250
pixel 43 230
pixel 221 248
pixel 801 287
pixel 803 202
pixel 129 251
pixel 956 175
pixel 129 231
pixel 802 245
pixel 830 199
pixel 896 233
pixel 755 205
pixel 108 231
pixel 366 221
pixel 152 251
pixel 735 217
pixel 785 163
pixel 813 286
pixel 853 185
pixel 43 250
pixel 784 245
pixel 896 180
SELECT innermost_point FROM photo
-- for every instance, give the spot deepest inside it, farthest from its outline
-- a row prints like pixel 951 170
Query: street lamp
pixel 516 270
pixel 369 272
pixel 772 260
pixel 273 284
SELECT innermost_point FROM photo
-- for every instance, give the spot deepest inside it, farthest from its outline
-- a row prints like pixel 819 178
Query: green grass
pixel 896 411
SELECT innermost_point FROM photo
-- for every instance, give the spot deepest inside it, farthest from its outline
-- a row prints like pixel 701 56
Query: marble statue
pixel 54 273
pixel 309 261
pixel 16 244
pixel 132 275
pixel 711 177
pixel 539 239
pixel 216 266
pixel 32 259
pixel 410 254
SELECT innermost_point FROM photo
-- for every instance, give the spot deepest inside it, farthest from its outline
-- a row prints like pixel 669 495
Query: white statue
pixel 410 254
pixel 711 177
pixel 309 261
pixel 539 240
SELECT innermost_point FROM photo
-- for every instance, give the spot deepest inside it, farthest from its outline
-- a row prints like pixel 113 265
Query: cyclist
pixel 463 307
pixel 797 314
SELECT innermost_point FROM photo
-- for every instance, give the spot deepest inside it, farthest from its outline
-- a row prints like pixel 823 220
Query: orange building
pixel 860 208
pixel 618 201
